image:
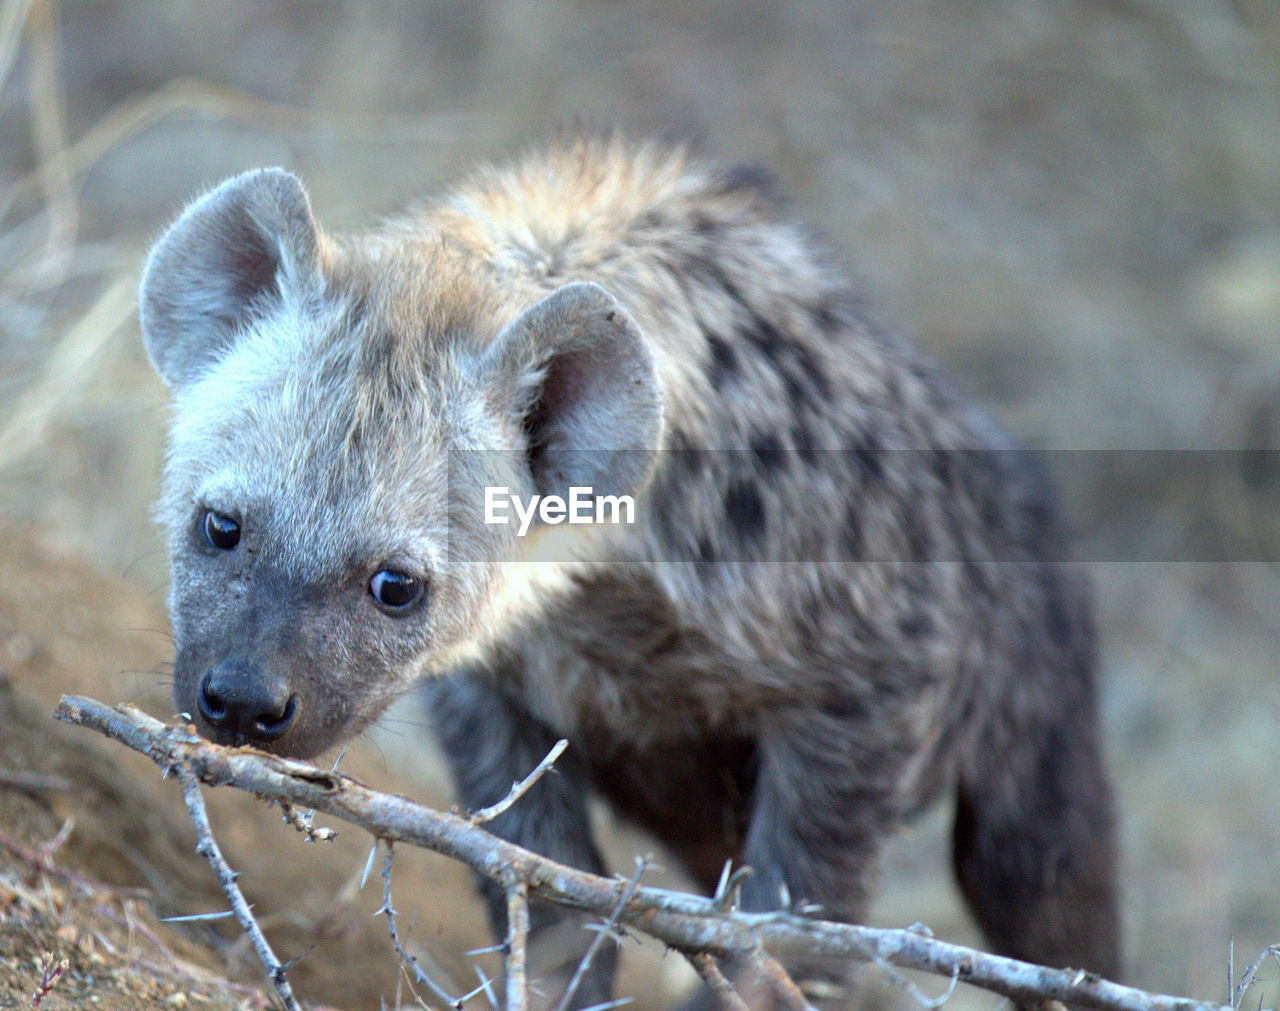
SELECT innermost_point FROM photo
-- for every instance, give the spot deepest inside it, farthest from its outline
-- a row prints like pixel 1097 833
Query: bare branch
pixel 36 784
pixel 207 847
pixel 606 931
pixel 519 789
pixel 405 957
pixel 517 945
pixel 42 862
pixel 302 822
pixel 1236 992
pixel 730 886
pixel 782 985
pixel 716 981
pixel 688 923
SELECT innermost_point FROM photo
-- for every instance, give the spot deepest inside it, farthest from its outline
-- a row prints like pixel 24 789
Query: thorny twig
pixel 519 789
pixel 207 847
pixel 389 911
pixel 688 923
pixel 729 887
pixel 605 931
pixel 1236 992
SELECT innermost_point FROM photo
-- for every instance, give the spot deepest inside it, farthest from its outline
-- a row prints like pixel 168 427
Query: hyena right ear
pixel 576 370
pixel 228 257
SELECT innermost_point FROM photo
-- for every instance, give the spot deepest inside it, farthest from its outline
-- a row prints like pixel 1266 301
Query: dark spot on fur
pixel 941 462
pixel 759 332
pixel 802 438
pixel 851 534
pixel 744 509
pixel 866 457
pixel 915 624
pixel 845 709
pixel 825 315
pixel 813 371
pixel 1057 613
pixel 1055 777
pixel 724 360
pixel 704 224
pixel 684 455
pixel 706 552
pixel 768 451
pixel 797 391
pixel 704 267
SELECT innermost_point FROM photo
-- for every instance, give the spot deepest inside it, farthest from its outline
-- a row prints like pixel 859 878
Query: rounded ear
pixel 583 382
pixel 227 258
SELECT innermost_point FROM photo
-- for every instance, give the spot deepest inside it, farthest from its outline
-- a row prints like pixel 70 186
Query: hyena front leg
pixel 490 743
pixel 825 799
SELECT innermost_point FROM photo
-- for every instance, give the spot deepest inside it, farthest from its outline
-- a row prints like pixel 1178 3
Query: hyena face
pixel 339 410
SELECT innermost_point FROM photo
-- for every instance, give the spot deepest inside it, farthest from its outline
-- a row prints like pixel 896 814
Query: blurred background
pixel 1075 206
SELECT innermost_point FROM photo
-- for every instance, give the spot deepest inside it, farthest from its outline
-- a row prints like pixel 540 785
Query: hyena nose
pixel 239 699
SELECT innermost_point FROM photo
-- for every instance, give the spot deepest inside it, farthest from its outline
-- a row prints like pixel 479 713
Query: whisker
pixel 139 558
pixel 163 632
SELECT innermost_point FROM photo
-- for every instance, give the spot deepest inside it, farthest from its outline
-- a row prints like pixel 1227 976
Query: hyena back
pixel 843 594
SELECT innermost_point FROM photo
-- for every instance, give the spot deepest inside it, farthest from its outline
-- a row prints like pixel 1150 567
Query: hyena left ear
pixel 230 255
pixel 583 381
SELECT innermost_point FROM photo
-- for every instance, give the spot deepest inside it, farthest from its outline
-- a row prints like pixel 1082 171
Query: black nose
pixel 242 700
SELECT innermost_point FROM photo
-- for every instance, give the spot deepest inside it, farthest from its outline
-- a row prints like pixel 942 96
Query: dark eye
pixel 220 530
pixel 395 590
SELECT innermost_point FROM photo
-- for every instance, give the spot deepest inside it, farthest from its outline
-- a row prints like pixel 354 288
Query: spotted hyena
pixel 843 592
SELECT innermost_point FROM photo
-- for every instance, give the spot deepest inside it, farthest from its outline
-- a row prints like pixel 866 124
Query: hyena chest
pixel 615 663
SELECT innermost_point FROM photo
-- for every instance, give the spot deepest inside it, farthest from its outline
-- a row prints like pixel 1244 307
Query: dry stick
pixel 302 822
pixel 605 931
pixel 687 923
pixel 45 865
pixel 207 847
pixel 405 957
pixel 782 985
pixel 519 789
pixel 36 784
pixel 517 944
pixel 716 981
pixel 1236 993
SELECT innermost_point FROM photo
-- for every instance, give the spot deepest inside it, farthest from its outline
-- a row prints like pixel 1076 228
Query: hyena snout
pixel 246 704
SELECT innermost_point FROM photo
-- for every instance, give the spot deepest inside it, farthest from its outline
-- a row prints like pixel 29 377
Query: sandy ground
pixel 1076 207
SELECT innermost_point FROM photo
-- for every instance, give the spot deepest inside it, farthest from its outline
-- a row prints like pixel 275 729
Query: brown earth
pixel 66 627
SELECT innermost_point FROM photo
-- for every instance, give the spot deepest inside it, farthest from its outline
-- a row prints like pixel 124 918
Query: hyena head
pixel 339 408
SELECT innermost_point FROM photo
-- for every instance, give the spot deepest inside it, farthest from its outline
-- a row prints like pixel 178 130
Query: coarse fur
pixel 844 593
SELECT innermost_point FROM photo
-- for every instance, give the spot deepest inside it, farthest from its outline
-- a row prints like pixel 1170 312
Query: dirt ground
pixel 1074 206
